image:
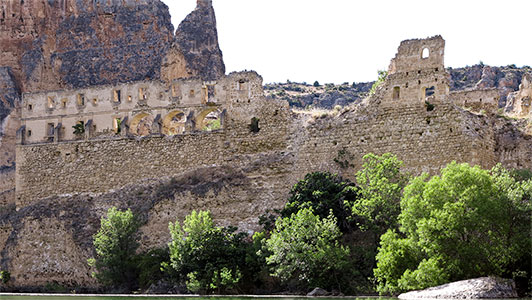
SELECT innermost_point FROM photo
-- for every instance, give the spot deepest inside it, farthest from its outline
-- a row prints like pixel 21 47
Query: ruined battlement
pixel 134 109
pixel 418 54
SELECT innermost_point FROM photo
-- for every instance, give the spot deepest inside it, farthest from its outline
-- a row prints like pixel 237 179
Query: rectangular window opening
pixel 50 129
pixel 117 97
pixel 396 92
pixel 51 102
pixel 142 94
pixel 81 99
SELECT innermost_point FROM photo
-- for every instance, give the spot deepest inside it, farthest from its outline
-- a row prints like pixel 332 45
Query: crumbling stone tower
pixel 417 73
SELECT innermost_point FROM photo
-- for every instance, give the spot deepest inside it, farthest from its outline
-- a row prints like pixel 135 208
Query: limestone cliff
pixel 195 51
pixel 58 44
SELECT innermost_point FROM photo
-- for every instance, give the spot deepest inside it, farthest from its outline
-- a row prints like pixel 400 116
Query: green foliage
pixel 344 157
pixel 209 258
pixel 5 276
pixel 149 265
pixel 306 248
pixel 381 183
pixel 380 80
pixel 323 192
pixel 429 106
pixel 118 126
pixel 466 223
pixel 212 125
pixel 79 128
pixel 316 83
pixel 115 245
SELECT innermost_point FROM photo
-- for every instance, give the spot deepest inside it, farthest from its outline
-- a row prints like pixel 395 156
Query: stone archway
pixel 174 123
pixel 141 124
pixel 209 119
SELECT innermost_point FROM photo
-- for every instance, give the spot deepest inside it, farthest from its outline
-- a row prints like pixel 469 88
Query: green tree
pixel 115 245
pixel 209 258
pixel 323 192
pixel 381 184
pixel 380 80
pixel 466 223
pixel 306 248
pixel 316 83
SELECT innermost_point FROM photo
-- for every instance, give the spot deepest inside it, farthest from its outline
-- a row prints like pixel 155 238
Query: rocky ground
pixel 303 95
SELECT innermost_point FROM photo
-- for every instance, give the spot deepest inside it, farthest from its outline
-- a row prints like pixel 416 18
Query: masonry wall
pixel 477 100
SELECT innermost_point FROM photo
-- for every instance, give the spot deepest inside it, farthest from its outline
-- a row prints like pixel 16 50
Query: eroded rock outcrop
pixel 195 51
pixel 518 103
pixel 478 288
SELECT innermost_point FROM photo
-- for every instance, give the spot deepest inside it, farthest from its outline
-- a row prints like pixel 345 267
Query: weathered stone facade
pixel 65 183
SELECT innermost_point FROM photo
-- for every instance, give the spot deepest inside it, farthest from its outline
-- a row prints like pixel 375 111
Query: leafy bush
pixel 79 128
pixel 115 244
pixel 380 80
pixel 5 276
pixel 463 224
pixel 207 257
pixel 306 248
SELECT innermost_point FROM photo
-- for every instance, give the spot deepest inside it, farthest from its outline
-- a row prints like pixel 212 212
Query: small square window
pixel 30 106
pixel 29 133
pixel 192 93
pixel 64 103
pixel 94 101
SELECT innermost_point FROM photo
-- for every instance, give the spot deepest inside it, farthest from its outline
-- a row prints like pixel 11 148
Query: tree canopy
pixel 465 223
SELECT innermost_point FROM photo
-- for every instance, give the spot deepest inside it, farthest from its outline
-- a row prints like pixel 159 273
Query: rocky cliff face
pixel 506 79
pixel 196 43
pixel 59 44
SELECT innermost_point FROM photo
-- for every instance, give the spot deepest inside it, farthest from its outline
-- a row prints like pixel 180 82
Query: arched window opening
pixel 425 53
pixel 254 126
pixel 141 124
pixel 174 123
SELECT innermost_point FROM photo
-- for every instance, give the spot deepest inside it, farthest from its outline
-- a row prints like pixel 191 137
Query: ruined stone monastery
pixel 164 147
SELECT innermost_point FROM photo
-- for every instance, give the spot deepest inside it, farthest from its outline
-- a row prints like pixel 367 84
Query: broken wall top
pixel 418 54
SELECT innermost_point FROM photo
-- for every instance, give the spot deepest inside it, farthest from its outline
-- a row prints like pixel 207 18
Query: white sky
pixel 349 40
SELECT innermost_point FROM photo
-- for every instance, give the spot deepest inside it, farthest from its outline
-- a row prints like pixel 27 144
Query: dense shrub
pixel 306 248
pixel 115 245
pixel 463 224
pixel 207 257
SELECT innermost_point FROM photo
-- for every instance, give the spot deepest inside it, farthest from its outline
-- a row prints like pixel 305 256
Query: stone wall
pixel 477 100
